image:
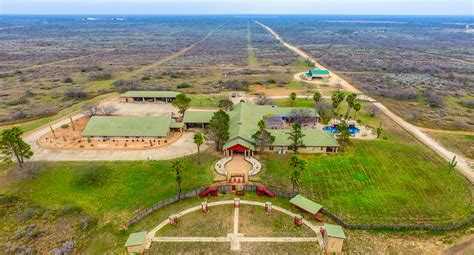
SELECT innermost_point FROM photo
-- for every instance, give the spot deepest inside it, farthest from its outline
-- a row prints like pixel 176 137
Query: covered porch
pixel 238 146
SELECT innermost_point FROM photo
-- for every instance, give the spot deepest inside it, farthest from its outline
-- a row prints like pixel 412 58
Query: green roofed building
pixel 317 73
pixel 197 119
pixel 243 124
pixel 136 242
pixel 130 127
pixel 333 238
pixel 148 96
pixel 305 204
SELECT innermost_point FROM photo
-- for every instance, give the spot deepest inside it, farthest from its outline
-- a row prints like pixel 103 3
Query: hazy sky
pixel 421 7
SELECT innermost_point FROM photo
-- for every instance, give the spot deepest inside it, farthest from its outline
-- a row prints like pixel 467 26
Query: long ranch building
pixel 148 96
pixel 125 127
pixel 243 124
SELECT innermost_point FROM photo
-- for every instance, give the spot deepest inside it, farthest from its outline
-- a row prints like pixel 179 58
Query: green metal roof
pixel 136 239
pixel 312 138
pixel 150 93
pixel 127 126
pixel 244 118
pixel 306 204
pixel 334 230
pixel 176 125
pixel 191 116
pixel 319 72
pixel 240 141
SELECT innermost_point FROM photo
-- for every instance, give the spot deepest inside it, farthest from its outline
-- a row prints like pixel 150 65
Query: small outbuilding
pixel 136 242
pixel 148 96
pixel 306 205
pixel 333 238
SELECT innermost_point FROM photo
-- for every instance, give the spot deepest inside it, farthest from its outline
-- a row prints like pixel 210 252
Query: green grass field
pixel 380 182
pixel 198 100
pixel 124 187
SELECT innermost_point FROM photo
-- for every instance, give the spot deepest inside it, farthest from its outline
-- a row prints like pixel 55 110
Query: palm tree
pixel 198 140
pixel 350 99
pixel 357 108
pixel 337 98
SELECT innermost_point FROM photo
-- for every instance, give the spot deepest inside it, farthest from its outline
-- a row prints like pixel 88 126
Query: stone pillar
pixel 298 220
pixel 173 220
pixel 236 202
pixel 268 207
pixel 204 207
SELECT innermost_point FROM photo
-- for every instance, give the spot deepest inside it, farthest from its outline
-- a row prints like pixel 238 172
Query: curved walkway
pixel 234 238
pixel 256 165
pixel 237 164
pixel 463 165
pixel 220 165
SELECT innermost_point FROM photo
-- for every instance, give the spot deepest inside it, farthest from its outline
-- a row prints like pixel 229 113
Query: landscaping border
pixel 284 194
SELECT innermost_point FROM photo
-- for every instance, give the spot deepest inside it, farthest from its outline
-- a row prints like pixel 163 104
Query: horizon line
pixel 223 14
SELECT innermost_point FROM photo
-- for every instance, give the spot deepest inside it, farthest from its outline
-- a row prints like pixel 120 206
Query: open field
pixel 381 181
pixel 403 64
pixel 49 72
pixel 108 193
pixel 462 144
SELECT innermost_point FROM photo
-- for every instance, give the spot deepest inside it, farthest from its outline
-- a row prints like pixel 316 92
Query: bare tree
pixel 91 109
pixel 372 109
pixel 262 99
pixel 108 110
pixel 301 115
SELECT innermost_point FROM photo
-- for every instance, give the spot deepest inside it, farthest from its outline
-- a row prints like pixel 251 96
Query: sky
pixel 349 7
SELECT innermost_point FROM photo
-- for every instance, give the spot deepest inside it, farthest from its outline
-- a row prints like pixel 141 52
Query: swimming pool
pixel 334 130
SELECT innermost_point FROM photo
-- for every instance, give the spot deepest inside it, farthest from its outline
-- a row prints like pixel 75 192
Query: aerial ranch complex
pixel 243 124
pixel 236 134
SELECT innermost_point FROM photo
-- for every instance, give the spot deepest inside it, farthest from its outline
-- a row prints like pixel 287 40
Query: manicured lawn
pixel 299 102
pixel 123 187
pixel 205 100
pixel 380 182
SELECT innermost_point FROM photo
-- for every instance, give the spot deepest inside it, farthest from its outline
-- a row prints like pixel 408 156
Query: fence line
pixel 284 194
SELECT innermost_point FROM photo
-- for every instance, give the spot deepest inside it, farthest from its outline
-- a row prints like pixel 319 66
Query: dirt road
pixel 463 165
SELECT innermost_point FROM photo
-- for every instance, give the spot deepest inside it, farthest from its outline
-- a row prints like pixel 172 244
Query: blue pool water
pixel 334 130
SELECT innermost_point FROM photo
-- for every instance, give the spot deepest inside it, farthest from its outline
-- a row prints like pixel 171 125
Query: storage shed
pixel 333 238
pixel 136 242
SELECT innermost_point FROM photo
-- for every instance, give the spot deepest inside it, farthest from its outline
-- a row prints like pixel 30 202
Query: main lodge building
pixel 243 124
